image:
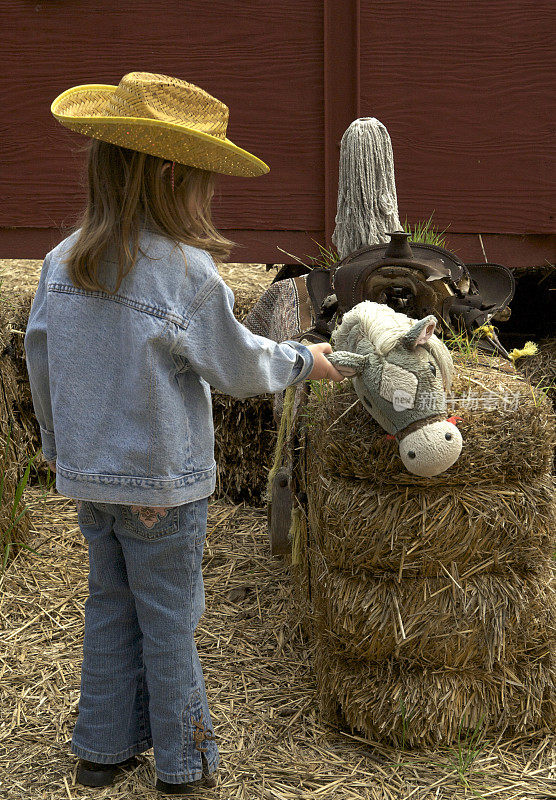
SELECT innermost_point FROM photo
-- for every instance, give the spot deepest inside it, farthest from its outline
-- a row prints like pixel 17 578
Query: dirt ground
pixel 257 665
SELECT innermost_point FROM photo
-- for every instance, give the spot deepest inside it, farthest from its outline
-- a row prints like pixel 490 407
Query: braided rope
pixel 286 422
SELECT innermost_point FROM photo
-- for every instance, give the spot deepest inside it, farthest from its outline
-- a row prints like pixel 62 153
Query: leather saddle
pixel 415 279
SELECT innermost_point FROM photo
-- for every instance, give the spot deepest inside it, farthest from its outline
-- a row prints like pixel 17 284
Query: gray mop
pixel 367 202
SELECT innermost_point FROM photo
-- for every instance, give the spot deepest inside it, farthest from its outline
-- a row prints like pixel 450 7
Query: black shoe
pixel 185 789
pixel 89 773
pixel 182 789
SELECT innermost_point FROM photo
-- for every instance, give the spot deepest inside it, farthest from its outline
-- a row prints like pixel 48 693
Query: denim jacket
pixel 121 383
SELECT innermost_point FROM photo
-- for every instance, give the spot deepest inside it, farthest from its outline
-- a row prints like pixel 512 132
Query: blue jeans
pixel 142 684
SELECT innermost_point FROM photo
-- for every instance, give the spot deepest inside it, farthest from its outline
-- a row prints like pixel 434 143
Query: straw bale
pixel 15 395
pixel 412 531
pixel 500 443
pixel 540 369
pixel 11 533
pixel 245 434
pixel 450 621
pixel 17 440
pixel 21 274
pixel 244 430
pixel 408 704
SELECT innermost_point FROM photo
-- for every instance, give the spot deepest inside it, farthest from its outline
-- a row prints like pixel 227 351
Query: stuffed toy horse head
pixel 401 372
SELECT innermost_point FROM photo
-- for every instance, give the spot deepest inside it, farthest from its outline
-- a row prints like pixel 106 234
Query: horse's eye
pixel 432 368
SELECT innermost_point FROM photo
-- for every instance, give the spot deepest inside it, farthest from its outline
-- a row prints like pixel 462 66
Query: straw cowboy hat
pixel 159 115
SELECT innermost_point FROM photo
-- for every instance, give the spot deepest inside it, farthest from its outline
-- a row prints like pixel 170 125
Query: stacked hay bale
pixel 244 438
pixel 432 602
pixel 14 521
pixel 17 434
pixel 540 371
pixel 244 429
pixel 16 392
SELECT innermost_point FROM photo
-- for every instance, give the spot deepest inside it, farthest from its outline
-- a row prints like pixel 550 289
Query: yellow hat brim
pixel 168 140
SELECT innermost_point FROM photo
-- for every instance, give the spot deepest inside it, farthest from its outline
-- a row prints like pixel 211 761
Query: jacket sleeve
pixel 230 357
pixel 36 356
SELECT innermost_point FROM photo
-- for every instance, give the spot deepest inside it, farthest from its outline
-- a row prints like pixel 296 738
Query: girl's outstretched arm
pixel 236 361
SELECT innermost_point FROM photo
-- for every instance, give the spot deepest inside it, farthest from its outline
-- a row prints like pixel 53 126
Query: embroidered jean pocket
pixel 85 513
pixel 151 522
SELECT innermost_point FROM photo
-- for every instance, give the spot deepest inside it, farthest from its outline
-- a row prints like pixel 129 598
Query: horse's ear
pixel 348 364
pixel 419 333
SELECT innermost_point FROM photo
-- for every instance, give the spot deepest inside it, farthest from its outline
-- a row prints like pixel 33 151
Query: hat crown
pixel 150 96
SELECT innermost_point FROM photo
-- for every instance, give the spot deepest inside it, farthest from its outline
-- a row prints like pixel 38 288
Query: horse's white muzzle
pixel 431 449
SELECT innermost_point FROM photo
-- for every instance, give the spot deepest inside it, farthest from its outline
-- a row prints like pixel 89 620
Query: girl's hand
pixel 322 368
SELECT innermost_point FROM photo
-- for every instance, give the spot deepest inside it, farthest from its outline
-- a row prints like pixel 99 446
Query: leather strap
pixel 307 315
pixel 306 320
pixel 415 426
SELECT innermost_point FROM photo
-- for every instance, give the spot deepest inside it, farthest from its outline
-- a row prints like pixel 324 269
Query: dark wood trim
pixel 342 92
pixel 261 247
pixel 511 250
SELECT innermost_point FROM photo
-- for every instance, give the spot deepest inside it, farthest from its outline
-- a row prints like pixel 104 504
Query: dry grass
pixel 258 668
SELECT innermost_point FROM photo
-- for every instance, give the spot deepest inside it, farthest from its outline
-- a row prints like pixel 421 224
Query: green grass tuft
pixel 425 232
pixel 467 750
pixel 327 256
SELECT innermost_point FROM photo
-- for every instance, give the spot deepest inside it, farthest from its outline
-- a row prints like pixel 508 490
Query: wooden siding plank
pixel 263 59
pixel 341 92
pixel 464 90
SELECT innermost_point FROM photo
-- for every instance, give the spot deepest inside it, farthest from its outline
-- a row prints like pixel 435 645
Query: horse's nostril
pixel 448 436
pixel 411 454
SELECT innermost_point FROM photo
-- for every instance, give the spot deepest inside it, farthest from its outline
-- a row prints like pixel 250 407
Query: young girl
pixel 130 324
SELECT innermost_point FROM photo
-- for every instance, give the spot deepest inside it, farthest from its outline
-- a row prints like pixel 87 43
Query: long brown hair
pixel 129 191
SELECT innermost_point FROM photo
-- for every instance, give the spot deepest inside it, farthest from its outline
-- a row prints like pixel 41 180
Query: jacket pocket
pixel 151 522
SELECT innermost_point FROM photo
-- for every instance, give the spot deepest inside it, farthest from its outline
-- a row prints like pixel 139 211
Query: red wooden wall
pixel 461 87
